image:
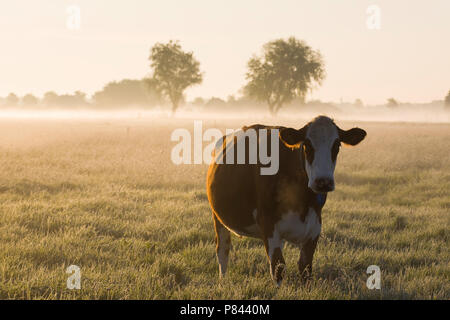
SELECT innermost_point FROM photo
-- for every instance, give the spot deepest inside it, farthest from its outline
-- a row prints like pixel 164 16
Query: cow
pixel 285 206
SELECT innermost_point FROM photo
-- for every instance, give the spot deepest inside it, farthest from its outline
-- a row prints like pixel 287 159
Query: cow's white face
pixel 320 141
pixel 320 148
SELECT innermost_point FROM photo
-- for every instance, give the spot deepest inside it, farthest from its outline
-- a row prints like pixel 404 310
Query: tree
pixel 286 70
pixel 50 99
pixel 79 99
pixel 29 100
pixel 174 70
pixel 447 100
pixel 154 94
pixel 12 100
pixel 231 100
pixel 198 102
pixel 358 103
pixel 128 93
pixel 392 103
pixel 215 102
pixel 76 100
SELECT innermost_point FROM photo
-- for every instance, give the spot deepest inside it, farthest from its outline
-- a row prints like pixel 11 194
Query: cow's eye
pixel 309 151
pixel 335 150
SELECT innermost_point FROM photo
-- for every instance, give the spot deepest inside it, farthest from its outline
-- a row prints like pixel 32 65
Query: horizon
pixel 404 59
pixel 190 102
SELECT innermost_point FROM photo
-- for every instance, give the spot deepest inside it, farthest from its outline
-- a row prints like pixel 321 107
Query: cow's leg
pixel 274 245
pixel 223 245
pixel 306 258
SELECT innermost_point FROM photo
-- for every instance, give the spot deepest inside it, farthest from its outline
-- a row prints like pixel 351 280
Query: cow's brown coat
pixel 236 190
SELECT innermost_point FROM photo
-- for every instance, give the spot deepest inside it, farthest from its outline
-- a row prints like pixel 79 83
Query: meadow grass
pixel 105 196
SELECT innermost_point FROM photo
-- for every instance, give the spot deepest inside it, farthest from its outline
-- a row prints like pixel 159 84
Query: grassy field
pixel 105 196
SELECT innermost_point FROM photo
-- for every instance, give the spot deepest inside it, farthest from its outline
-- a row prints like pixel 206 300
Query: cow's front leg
pixel 274 245
pixel 306 258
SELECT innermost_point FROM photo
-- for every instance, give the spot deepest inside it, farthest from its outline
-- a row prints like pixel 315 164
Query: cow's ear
pixel 352 136
pixel 292 137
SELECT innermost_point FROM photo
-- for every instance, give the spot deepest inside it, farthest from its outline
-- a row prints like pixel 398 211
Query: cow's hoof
pixel 278 274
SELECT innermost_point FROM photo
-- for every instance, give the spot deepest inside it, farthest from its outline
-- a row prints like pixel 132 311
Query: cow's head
pixel 320 141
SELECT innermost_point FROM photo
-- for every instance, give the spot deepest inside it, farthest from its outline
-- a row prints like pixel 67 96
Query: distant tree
pixel 72 100
pixel 79 99
pixel 50 99
pixel 12 100
pixel 231 100
pixel 447 100
pixel 319 103
pixel 76 100
pixel 128 93
pixel 174 70
pixel 215 102
pixel 358 103
pixel 199 101
pixel 392 103
pixel 154 94
pixel 245 100
pixel 286 70
pixel 29 100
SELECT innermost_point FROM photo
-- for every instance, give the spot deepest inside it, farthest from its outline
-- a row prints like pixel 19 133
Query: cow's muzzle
pixel 323 185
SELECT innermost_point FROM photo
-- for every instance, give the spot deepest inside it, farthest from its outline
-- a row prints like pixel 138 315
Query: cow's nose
pixel 324 184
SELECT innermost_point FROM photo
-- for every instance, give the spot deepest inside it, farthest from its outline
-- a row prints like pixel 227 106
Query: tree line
pixel 116 94
pixel 285 71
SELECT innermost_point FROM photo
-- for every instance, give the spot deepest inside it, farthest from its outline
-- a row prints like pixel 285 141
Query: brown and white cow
pixel 282 207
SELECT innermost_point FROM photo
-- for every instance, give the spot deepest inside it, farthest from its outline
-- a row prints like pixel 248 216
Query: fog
pixel 252 114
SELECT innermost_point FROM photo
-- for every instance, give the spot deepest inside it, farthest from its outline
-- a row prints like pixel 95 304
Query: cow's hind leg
pixel 223 245
pixel 306 258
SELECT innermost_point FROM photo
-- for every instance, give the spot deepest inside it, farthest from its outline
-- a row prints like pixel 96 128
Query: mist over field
pixel 251 114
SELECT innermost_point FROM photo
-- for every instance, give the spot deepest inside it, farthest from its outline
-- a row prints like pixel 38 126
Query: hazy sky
pixel 408 58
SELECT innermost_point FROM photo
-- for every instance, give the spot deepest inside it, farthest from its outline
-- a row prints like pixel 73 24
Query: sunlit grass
pixel 108 199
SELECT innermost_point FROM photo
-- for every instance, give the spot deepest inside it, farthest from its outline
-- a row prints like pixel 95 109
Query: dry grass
pixel 87 193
